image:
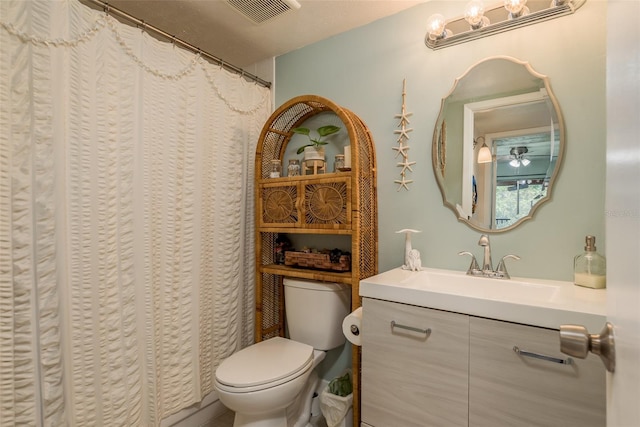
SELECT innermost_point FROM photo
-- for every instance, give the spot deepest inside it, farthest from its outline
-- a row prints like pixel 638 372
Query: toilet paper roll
pixel 352 327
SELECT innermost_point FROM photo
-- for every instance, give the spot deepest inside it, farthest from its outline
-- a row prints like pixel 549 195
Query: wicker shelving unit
pixel 341 203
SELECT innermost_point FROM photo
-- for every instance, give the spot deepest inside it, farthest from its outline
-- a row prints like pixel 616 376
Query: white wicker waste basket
pixel 337 410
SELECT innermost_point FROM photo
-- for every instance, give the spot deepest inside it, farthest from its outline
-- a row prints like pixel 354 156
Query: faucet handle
pixel 501 269
pixel 474 269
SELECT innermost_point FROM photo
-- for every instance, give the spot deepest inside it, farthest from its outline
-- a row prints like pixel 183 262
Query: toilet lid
pixel 264 362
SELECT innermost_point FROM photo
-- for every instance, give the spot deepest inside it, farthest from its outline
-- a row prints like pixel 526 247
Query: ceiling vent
pixel 259 11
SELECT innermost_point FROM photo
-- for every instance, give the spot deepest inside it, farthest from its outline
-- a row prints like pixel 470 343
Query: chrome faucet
pixel 487 265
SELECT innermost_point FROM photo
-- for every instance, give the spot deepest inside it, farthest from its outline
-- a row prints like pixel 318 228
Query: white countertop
pixel 537 302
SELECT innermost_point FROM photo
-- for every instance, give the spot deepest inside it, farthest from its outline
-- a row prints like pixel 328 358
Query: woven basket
pixel 317 261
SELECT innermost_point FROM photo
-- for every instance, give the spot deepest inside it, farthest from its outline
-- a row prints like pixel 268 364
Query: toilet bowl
pixel 271 383
pixel 260 382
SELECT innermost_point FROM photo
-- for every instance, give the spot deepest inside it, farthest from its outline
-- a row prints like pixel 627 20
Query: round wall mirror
pixel 498 144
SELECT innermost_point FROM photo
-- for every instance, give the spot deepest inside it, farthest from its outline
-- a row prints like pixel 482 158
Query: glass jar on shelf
pixel 276 169
pixel 294 167
pixel 338 163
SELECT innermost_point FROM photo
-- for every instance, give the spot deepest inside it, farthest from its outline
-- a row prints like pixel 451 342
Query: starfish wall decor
pixel 403 148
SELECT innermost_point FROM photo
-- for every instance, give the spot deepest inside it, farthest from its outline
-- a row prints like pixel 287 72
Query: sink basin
pixel 458 283
pixel 545 303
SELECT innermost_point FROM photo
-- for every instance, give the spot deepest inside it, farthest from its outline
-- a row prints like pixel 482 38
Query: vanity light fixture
pixel 479 21
pixel 484 155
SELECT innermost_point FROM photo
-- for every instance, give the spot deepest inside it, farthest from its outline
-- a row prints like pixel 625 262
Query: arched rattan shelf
pixel 357 217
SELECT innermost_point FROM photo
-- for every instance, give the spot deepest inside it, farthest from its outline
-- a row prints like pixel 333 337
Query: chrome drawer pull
pixel 427 331
pixel 567 361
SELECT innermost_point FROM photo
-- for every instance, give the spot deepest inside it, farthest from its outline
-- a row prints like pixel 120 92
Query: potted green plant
pixel 314 150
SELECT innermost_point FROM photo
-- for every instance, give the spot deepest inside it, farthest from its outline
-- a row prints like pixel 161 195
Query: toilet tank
pixel 315 311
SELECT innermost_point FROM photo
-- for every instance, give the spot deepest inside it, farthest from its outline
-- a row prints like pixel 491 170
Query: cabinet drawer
pixel 412 378
pixel 511 389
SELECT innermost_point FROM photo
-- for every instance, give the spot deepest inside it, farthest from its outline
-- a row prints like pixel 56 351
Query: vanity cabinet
pixel 471 371
pixel 341 204
pixel 519 377
pixel 414 370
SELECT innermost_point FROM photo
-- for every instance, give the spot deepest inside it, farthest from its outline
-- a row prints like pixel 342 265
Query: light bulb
pixel 474 14
pixel 435 27
pixel 515 163
pixel 516 8
pixel 525 162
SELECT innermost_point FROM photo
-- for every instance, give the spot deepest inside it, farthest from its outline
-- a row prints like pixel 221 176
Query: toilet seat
pixel 264 365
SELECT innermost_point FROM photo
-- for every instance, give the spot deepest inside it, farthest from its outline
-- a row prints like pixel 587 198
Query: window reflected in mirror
pixel 524 162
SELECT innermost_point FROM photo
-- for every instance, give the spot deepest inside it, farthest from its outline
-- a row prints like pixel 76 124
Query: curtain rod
pixel 108 9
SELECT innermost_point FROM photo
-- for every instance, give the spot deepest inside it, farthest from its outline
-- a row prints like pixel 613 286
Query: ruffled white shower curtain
pixel 126 235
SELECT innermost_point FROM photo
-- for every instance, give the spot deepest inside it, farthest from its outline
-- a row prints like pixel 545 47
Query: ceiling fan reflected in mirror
pixel 518 157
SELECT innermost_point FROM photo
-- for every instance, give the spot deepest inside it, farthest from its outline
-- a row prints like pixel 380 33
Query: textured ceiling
pixel 219 29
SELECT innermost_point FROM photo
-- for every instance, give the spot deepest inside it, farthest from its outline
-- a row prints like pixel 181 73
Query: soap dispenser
pixel 589 268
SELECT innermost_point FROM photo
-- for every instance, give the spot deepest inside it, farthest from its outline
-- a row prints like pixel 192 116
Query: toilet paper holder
pixel 352 325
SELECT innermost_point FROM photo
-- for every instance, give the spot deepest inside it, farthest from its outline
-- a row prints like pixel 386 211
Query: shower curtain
pixel 126 212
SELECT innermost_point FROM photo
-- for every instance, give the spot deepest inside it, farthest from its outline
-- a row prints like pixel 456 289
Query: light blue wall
pixel 363 70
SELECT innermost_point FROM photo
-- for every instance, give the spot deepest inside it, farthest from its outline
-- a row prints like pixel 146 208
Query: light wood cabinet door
pixel 507 388
pixel 409 377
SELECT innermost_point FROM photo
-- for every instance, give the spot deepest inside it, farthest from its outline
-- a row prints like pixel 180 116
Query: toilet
pixel 271 383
